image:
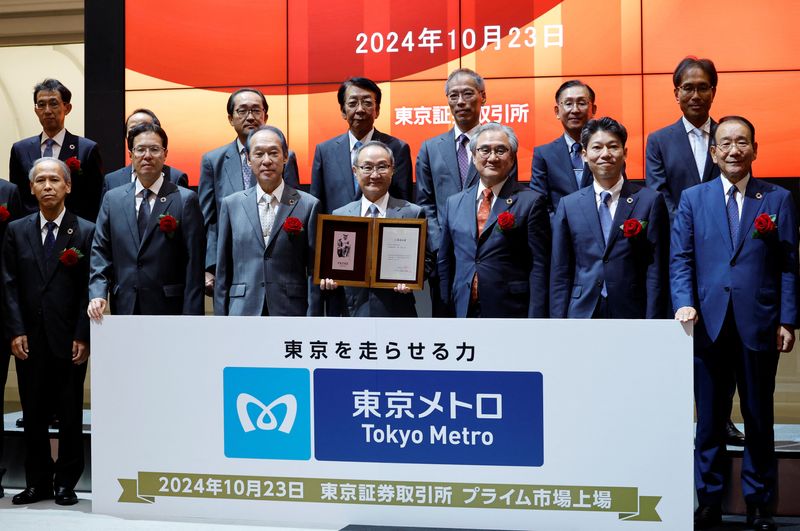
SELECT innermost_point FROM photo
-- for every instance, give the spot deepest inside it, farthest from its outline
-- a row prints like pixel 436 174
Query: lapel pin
pixel 509 201
pixel 291 201
pixel 759 195
pixel 163 199
pixel 70 231
pixel 630 200
pixel 72 146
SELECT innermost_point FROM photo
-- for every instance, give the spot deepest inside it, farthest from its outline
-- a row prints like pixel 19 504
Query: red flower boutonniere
pixel 633 227
pixel 765 225
pixel 167 224
pixel 69 257
pixel 505 221
pixel 74 165
pixel 292 226
pixel 4 213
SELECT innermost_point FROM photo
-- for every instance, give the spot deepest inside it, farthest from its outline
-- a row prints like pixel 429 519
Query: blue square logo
pixel 267 413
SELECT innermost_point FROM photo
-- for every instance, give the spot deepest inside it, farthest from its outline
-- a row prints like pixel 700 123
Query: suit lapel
pixel 345 164
pixel 588 208
pixel 448 153
pixel 35 239
pixel 625 205
pixel 564 160
pixel 233 168
pixel 680 138
pixel 250 206
pixel 505 199
pixel 715 200
pixel 753 198
pixel 164 200
pixel 34 149
pixel 129 207
pixel 65 232
pixel 70 147
pixel 709 168
pixel 288 202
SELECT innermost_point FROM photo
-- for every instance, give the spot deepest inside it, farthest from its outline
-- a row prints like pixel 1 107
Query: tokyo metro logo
pixel 267 413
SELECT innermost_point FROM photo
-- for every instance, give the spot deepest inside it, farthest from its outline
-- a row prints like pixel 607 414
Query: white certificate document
pixel 399 247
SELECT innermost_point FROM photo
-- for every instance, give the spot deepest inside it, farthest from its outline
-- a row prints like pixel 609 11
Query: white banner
pixel 512 424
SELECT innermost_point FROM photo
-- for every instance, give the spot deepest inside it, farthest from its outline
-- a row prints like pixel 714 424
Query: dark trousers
pixel 4 359
pixel 42 376
pixel 718 369
pixel 601 310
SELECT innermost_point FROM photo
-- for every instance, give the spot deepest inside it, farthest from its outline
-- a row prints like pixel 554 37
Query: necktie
pixel 357 190
pixel 699 149
pixel 483 214
pixel 267 215
pixel 48 147
pixel 144 212
pixel 49 239
pixel 463 158
pixel 577 162
pixel 733 215
pixel 372 211
pixel 605 225
pixel 247 173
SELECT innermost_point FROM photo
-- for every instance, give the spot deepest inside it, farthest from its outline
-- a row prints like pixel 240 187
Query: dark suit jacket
pixel 378 302
pixel 332 172
pixel 44 298
pixel 250 274
pixel 124 176
pixel 634 269
pixel 84 200
pixel 757 277
pixel 669 164
pixel 9 198
pixel 552 174
pixel 512 265
pixel 221 176
pixel 162 275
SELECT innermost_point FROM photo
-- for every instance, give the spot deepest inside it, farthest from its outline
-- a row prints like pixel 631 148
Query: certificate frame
pixel 419 225
pixel 329 262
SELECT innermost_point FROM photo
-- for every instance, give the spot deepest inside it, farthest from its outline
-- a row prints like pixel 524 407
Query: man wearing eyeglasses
pixel 676 157
pixel 494 255
pixel 224 170
pixel 733 274
pixel 332 178
pixel 125 175
pixel 558 168
pixel 149 240
pixel 52 104
pixel 266 237
pixel 373 166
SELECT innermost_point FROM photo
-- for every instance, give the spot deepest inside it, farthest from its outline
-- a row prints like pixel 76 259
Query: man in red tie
pixel 494 256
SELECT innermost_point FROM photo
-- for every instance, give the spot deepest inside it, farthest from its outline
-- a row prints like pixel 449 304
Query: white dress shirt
pixel 43 222
pixel 614 191
pixel 58 141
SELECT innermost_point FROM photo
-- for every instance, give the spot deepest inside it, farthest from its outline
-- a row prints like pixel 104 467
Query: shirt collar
pixel 154 188
pixel 569 140
pixel 59 218
pixel 277 193
pixel 741 185
pixel 363 141
pixel 706 127
pixel 239 146
pixel 382 204
pixel 458 132
pixel 495 189
pixel 614 190
pixel 58 138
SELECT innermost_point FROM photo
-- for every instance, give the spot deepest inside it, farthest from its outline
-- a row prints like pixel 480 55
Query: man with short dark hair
pixel 332 179
pixel 734 274
pixel 558 168
pixel 610 239
pixel 149 241
pixel 225 170
pixel 266 237
pixel 125 175
pixel 52 103
pixel 494 257
pixel 45 275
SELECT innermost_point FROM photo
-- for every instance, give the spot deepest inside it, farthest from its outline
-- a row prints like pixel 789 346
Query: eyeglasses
pixel 366 103
pixel 272 155
pixel 466 95
pixel 582 105
pixel 485 152
pixel 701 88
pixel 726 147
pixel 257 112
pixel 155 151
pixel 368 169
pixel 53 104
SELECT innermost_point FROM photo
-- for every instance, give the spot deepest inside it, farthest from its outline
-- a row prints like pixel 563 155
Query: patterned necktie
pixel 605 225
pixel 49 239
pixel 372 211
pixel 267 215
pixel 247 173
pixel 357 145
pixel 733 215
pixel 463 158
pixel 48 147
pixel 699 150
pixel 144 212
pixel 483 214
pixel 577 162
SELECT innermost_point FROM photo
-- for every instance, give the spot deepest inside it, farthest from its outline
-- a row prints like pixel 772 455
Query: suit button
pixel 139 265
pixel 598 283
pixel 262 284
pixel 605 260
pixel 727 288
pixel 733 263
pixel 477 261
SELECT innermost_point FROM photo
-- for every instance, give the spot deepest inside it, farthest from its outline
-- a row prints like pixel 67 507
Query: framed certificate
pixel 343 250
pixel 398 253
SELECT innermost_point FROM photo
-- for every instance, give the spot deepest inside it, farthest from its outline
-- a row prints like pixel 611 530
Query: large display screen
pixel 184 57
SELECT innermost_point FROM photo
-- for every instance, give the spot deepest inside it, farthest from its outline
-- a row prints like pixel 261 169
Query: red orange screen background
pixel 183 59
